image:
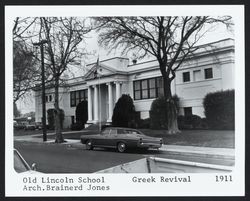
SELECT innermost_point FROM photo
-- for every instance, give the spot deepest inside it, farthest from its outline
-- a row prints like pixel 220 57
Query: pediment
pixel 100 70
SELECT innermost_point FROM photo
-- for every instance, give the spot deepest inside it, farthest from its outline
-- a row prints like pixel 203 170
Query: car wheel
pixel 89 145
pixel 121 147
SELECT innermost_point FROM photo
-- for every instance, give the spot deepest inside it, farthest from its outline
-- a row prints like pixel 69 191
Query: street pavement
pixel 62 158
pixel 223 153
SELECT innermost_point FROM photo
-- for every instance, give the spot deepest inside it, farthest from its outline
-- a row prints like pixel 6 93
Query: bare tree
pixel 169 39
pixel 63 36
pixel 25 73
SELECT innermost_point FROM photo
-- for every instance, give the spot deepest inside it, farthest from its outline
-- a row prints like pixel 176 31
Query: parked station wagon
pixel 121 139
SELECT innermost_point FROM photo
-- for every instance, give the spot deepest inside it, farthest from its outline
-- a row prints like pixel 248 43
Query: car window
pixel 132 132
pixel 120 131
pixel 19 165
pixel 106 131
pixel 113 132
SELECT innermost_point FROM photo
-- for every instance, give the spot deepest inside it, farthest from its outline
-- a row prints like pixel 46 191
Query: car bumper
pixel 149 145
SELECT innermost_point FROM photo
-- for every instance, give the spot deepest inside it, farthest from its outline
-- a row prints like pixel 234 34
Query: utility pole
pixel 41 43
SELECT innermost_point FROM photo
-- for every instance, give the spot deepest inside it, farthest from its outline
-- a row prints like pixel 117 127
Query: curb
pixel 175 152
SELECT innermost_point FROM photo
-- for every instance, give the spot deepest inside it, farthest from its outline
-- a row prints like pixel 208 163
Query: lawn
pixel 205 138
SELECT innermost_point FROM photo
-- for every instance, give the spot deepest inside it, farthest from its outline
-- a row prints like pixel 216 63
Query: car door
pixel 112 138
pixel 102 138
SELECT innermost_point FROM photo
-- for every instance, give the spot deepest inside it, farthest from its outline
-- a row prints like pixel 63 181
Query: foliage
pixel 124 112
pixel 77 126
pixel 219 109
pixel 190 122
pixel 143 123
pixel 82 112
pixel 159 114
pixel 51 118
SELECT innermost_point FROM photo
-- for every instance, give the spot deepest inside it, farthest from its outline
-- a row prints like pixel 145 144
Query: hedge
pixel 219 109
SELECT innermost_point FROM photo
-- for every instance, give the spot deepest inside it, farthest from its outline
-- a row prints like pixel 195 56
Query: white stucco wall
pixel 191 93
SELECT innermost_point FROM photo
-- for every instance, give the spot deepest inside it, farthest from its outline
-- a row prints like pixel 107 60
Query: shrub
pixel 77 126
pixel 193 120
pixel 82 112
pixel 158 112
pixel 124 112
pixel 219 109
pixel 189 122
pixel 51 118
pixel 143 123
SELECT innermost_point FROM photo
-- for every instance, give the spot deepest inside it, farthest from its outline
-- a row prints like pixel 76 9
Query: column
pixel 95 103
pixel 110 98
pixel 90 117
pixel 118 90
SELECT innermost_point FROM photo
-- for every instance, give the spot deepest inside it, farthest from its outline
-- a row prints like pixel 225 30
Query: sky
pixel 27 104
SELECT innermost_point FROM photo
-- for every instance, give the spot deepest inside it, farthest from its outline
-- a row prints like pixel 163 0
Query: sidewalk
pixel 222 153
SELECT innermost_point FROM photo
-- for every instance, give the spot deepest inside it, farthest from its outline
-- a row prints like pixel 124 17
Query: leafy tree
pixel 169 39
pixel 124 112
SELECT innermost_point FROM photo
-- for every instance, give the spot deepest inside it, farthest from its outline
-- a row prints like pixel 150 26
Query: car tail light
pixel 140 140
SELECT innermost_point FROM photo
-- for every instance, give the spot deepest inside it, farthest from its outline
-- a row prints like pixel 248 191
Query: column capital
pixel 109 83
pixel 118 82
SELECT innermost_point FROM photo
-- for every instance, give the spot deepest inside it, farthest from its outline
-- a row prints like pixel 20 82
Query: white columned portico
pixel 110 99
pixel 95 103
pixel 90 116
pixel 118 90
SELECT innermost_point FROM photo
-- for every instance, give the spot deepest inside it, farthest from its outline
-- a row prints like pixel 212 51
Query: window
pixel 50 98
pixel 137 90
pixel 208 73
pixel 186 77
pixel 148 88
pixel 188 111
pixel 152 88
pixel 77 96
pixel 144 87
pixel 197 75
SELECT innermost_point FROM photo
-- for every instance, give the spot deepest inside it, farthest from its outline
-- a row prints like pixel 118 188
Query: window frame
pixel 74 98
pixel 183 76
pixel 156 87
pixel 206 73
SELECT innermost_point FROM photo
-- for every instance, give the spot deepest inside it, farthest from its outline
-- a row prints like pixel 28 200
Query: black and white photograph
pixel 124 100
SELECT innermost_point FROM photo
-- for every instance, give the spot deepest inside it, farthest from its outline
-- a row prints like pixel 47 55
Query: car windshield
pixel 19 164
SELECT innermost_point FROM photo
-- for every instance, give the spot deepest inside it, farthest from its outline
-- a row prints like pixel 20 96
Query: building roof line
pixel 108 60
pixel 202 45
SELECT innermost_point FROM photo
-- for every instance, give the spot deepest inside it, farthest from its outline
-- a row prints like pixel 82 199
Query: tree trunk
pixel 59 137
pixel 171 108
